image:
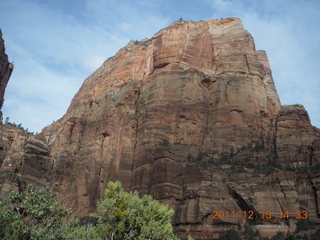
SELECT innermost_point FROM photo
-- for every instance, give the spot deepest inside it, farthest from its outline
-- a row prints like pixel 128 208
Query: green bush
pixel 37 215
pixel 203 160
pixel 315 168
pixel 315 235
pixel 304 224
pixel 74 230
pixel 230 235
pixel 164 143
pixel 13 124
pixel 279 236
pixel 123 215
pixel 32 214
pixel 250 234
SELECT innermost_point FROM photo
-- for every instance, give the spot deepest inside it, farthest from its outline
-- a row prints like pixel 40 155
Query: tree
pixel 123 215
pixel 7 121
pixel 36 214
pixel 31 214
pixel 73 230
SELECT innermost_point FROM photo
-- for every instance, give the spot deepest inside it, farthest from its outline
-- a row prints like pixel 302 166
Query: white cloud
pixel 221 5
pixel 54 52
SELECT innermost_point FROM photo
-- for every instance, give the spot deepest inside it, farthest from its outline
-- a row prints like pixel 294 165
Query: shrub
pixel 315 235
pixel 36 215
pixel 203 160
pixel 123 215
pixel 279 236
pixel 76 229
pixel 31 214
pixel 315 168
pixel 13 124
pixel 164 143
pixel 230 235
pixel 304 224
pixel 250 234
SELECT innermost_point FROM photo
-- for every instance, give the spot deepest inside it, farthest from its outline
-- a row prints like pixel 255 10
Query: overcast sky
pixel 56 44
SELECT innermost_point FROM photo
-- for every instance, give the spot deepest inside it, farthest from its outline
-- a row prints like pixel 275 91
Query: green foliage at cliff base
pixel 36 215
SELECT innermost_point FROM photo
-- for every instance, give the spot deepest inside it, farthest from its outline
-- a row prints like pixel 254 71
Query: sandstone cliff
pixel 5 72
pixel 190 116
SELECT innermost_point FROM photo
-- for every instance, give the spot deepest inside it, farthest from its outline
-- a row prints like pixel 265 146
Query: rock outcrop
pixel 5 72
pixel 190 116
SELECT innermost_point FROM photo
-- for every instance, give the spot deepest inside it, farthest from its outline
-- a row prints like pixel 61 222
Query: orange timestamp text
pixel 251 215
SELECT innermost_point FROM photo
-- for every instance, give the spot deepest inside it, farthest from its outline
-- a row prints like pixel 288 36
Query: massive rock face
pixel 5 71
pixel 190 116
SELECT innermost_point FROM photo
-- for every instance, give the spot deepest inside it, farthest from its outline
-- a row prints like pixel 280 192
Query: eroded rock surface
pixel 190 116
pixel 5 71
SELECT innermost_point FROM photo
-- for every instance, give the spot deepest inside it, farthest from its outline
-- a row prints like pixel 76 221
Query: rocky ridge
pixel 190 116
pixel 5 72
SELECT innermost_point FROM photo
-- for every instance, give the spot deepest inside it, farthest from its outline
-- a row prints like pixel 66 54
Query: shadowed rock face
pixel 5 71
pixel 190 116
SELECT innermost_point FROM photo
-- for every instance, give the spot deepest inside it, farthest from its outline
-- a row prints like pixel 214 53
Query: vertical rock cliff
pixel 190 116
pixel 5 71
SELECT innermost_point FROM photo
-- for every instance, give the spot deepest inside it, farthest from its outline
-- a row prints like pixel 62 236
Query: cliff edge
pixel 6 69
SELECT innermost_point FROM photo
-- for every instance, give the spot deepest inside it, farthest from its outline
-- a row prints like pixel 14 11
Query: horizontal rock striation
pixel 190 116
